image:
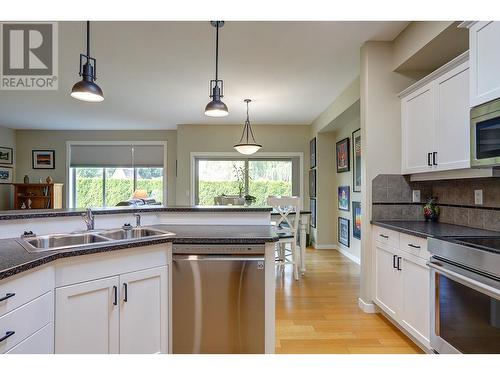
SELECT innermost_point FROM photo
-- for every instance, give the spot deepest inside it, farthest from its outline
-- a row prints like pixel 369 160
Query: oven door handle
pixel 474 284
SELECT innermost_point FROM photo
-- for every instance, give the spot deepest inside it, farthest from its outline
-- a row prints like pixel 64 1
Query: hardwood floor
pixel 320 313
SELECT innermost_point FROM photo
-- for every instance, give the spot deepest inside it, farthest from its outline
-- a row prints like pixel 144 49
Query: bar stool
pixel 286 228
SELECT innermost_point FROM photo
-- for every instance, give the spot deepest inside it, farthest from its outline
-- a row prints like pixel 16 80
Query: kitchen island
pixel 117 296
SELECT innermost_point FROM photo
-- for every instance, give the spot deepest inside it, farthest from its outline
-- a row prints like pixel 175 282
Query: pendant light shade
pixel 86 89
pixel 216 108
pixel 247 144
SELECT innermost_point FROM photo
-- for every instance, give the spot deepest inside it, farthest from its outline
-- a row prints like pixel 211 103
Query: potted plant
pixel 431 209
pixel 249 199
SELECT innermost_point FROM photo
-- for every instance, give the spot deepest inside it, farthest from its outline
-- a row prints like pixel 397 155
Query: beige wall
pixel 27 140
pixel 221 138
pixel 7 139
pixel 380 136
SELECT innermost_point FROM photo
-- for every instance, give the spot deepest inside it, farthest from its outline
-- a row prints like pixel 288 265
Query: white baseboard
pixel 352 257
pixel 324 246
pixel 368 308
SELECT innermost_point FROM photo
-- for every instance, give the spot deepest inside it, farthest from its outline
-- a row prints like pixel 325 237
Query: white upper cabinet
pixel 452 130
pixel 418 129
pixel 484 42
pixel 435 120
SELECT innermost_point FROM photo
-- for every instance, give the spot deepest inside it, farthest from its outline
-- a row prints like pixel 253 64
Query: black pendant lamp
pixel 247 144
pixel 216 108
pixel 87 90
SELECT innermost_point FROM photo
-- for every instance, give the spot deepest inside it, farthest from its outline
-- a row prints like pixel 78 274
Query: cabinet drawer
pixel 414 245
pixel 20 289
pixel 26 320
pixel 41 342
pixel 386 236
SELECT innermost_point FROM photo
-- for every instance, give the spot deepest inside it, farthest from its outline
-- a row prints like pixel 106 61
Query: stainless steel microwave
pixel 485 135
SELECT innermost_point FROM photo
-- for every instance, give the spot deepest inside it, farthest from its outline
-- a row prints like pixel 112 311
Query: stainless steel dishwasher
pixel 218 299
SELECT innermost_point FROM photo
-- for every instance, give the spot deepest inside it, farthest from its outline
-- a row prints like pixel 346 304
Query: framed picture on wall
pixel 342 153
pixel 356 160
pixel 356 220
pixel 313 212
pixel 312 152
pixel 6 155
pixel 344 198
pixel 343 234
pixel 43 159
pixel 312 183
pixel 6 175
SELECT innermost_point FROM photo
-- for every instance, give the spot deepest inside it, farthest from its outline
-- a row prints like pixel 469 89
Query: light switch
pixel 478 197
pixel 416 196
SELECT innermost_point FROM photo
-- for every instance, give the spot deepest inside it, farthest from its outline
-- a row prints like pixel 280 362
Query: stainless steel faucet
pixel 88 217
pixel 137 220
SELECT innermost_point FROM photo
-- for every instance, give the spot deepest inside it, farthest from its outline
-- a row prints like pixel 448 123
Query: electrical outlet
pixel 416 196
pixel 478 197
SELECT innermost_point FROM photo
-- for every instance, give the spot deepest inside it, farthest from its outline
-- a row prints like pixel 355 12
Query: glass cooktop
pixel 484 243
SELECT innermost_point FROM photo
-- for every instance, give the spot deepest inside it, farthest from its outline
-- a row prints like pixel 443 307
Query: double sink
pixel 54 242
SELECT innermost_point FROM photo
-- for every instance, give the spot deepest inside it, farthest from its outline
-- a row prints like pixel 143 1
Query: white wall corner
pixel 368 308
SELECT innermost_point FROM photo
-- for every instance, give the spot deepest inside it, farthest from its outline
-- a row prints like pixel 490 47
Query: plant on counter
pixel 239 174
pixel 431 209
pixel 249 199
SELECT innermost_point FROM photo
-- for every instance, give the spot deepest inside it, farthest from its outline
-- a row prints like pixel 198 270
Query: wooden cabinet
pixel 121 314
pixel 38 196
pixel 86 317
pixel 484 39
pixel 402 284
pixel 143 312
pixel 435 120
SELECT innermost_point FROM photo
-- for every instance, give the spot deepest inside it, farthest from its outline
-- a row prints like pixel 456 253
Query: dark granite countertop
pixel 30 214
pixel 15 259
pixel 430 229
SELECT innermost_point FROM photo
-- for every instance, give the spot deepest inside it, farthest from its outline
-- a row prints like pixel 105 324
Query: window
pixel 106 187
pixel 103 175
pixel 258 177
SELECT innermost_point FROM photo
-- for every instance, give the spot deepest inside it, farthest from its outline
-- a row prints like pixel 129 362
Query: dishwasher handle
pixel 203 258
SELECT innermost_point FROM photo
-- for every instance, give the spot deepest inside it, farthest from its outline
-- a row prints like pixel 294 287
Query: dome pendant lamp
pixel 247 144
pixel 216 108
pixel 86 89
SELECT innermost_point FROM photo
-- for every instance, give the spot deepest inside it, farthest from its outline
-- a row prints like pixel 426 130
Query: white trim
pixel 324 246
pixel 466 24
pixel 456 174
pixel 352 257
pixel 368 308
pixel 260 155
pixel 435 74
pixel 114 143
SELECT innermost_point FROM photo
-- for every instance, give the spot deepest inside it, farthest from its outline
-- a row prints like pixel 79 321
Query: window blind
pixel 124 156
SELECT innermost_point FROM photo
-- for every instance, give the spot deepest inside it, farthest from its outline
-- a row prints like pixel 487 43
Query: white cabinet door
pixel 415 315
pixel 452 130
pixel 144 311
pixel 87 318
pixel 484 40
pixel 418 129
pixel 387 281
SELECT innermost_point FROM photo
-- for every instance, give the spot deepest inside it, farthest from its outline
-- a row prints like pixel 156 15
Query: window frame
pixel 278 156
pixel 103 177
pixel 70 196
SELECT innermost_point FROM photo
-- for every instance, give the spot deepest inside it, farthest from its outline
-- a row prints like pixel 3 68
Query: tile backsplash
pixel 392 200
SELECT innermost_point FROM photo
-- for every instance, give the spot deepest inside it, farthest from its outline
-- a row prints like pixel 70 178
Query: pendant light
pixel 247 144
pixel 216 108
pixel 87 90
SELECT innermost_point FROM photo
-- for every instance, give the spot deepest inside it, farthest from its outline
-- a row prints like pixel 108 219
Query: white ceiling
pixel 155 75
